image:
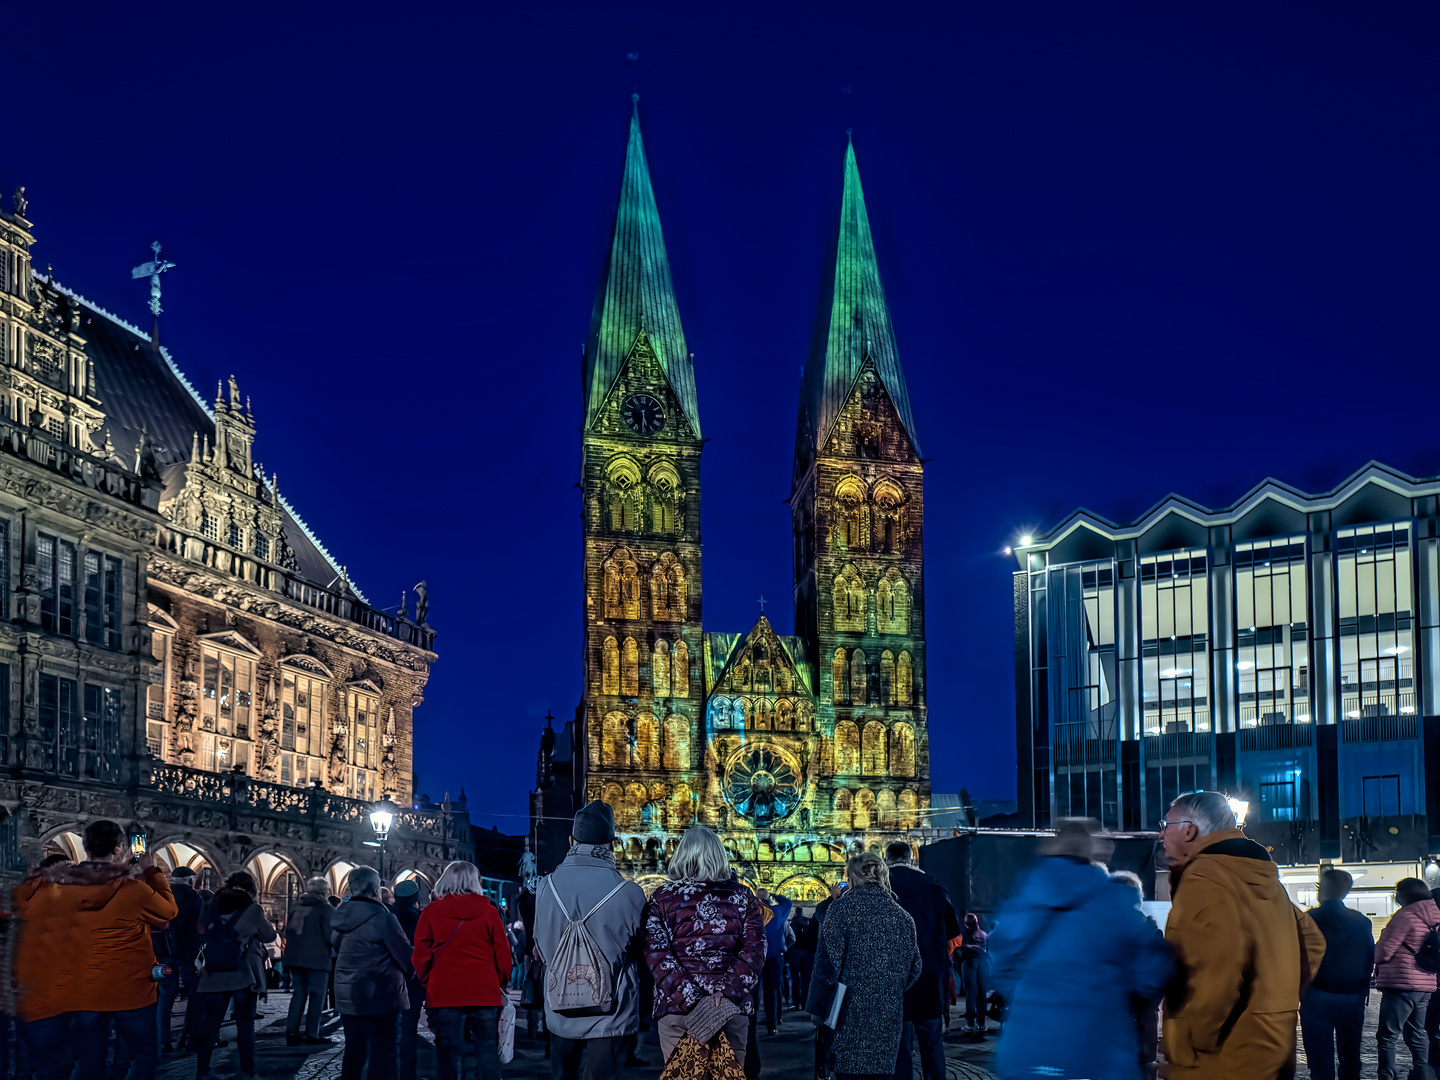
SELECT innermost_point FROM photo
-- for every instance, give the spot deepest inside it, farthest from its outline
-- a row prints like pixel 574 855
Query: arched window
pixel 850 500
pixel 864 809
pixel 849 598
pixel 667 589
pixel 904 680
pixel 783 684
pixel 630 591
pixel 837 677
pixel 764 712
pixel 660 669
pixel 629 668
pixel 677 743
pixel 677 592
pixel 872 750
pixel 840 817
pixel 889 500
pixel 615 740
pixel 680 672
pixel 610 667
pixel 613 794
pixel 682 807
pixel 647 742
pixel 885 810
pixel 906 808
pixel 892 601
pixel 887 678
pixel 664 499
pixel 857 678
pixel 847 748
pixel 802 717
pixel 613 607
pixel 624 505
pixel 784 715
pixel 629 817
pixel 660 596
pixel 902 750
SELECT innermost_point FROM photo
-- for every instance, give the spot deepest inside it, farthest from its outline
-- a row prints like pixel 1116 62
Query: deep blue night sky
pixel 1129 249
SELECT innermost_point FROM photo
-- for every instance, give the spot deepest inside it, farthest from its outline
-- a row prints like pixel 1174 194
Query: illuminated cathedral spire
pixel 637 295
pixel 853 325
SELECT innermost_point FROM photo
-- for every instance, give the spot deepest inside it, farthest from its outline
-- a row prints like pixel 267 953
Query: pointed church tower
pixel 641 481
pixel 857 506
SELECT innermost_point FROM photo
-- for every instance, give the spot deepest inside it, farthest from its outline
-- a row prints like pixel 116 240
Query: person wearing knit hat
pixel 583 888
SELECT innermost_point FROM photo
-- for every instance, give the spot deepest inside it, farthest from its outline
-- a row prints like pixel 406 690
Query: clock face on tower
pixel 642 414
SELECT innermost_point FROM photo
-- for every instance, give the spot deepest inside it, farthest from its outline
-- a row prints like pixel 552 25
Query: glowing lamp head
pixel 1240 808
pixel 381 818
pixel 1025 540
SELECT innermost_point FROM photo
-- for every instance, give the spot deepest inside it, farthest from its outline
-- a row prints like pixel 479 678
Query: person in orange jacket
pixel 84 958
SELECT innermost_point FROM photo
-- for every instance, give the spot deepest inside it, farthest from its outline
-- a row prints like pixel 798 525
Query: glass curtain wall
pixel 1272 632
pixel 1377 658
pixel 1082 669
pixel 1174 648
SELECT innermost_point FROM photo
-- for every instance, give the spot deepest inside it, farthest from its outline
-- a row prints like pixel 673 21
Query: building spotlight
pixel 1240 808
pixel 1025 540
pixel 1007 551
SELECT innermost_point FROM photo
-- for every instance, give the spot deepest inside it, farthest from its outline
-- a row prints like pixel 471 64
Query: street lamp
pixel 381 818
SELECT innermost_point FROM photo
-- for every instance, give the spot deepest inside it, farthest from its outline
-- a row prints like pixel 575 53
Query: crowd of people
pixel 1085 983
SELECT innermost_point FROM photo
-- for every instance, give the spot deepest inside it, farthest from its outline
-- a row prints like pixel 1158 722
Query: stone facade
pixel 179 653
pixel 800 750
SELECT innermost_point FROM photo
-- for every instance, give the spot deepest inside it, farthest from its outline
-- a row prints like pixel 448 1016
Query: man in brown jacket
pixel 84 957
pixel 1246 952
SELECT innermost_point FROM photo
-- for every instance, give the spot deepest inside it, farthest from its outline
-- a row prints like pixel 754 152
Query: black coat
pixel 185 925
pixel 926 901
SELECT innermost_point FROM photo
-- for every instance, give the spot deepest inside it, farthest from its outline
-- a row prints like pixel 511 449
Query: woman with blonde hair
pixel 462 958
pixel 705 945
pixel 867 943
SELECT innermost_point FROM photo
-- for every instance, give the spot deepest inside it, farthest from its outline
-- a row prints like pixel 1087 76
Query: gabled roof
pixel 637 294
pixel 853 324
pixel 142 389
pixel 781 652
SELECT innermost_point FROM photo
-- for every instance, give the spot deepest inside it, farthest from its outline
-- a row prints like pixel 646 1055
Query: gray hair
pixel 1208 811
pixel 867 869
pixel 364 881
pixel 700 856
pixel 459 877
pixel 318 886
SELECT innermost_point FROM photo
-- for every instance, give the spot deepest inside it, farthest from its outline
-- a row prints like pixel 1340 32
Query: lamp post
pixel 381 818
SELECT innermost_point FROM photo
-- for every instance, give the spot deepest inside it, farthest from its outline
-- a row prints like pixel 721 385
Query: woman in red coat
pixel 462 957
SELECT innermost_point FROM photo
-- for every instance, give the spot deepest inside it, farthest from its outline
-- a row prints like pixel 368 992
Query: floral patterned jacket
pixel 719 944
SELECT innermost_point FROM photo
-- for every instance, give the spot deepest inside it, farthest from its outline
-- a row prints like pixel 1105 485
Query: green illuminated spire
pixel 637 295
pixel 854 324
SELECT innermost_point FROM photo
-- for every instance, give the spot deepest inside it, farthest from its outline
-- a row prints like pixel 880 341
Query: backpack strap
pixel 597 907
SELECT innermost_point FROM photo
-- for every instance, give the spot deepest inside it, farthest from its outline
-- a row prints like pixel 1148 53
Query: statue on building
pixel 529 865
pixel 21 203
pixel 422 603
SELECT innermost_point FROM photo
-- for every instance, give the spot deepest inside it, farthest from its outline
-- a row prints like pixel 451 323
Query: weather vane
pixel 153 270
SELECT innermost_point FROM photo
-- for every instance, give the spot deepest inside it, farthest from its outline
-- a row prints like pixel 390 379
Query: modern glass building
pixel 1285 649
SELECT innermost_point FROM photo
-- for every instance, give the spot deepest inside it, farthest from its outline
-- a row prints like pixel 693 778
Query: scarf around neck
pixel 604 852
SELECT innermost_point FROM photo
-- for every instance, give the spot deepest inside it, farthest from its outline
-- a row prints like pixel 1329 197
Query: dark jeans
pixel 974 977
pixel 604 1060
pixel 1331 1023
pixel 169 990
pixel 409 1025
pixel 309 990
pixel 369 1038
pixel 48 1039
pixel 931 1034
pixel 212 1011
pixel 770 979
pixel 448 1024
pixel 801 964
pixel 1402 1015
pixel 189 983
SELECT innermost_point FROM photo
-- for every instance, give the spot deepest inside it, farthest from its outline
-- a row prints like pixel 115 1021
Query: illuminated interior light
pixel 1302 718
pixel 1354 714
pixel 1240 808
pixel 1407 710
pixel 1396 650
pixel 1245 665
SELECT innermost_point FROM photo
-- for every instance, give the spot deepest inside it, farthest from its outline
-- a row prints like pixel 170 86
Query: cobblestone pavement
pixel 789 1053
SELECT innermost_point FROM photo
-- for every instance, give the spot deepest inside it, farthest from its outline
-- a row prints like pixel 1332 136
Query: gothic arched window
pixel 837 677
pixel 885 814
pixel 613 608
pixel 630 591
pixel 615 740
pixel 892 605
pixel 682 807
pixel 904 680
pixel 660 669
pixel 677 743
pixel 887 678
pixel 902 750
pixel 858 673
pixel 850 506
pixel 647 742
pixel 847 748
pixel 784 715
pixel 610 667
pixel 840 815
pixel 849 598
pixel 629 669
pixel 680 673
pixel 864 809
pixel 905 805
pixel 872 750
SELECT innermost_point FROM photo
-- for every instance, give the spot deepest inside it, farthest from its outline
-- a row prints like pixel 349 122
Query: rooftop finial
pixel 21 203
pixel 152 270
pixel 634 100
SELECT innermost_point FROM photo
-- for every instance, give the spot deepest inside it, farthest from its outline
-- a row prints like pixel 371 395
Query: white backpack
pixel 578 978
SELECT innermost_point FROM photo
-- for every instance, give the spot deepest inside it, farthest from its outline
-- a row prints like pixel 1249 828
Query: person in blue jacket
pixel 1070 952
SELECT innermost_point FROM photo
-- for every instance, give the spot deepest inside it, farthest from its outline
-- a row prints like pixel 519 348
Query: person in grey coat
pixel 307 958
pixel 372 966
pixel 233 910
pixel 581 881
pixel 867 942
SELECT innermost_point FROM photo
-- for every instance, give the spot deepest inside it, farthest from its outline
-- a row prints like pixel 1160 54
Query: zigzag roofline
pixel 1376 472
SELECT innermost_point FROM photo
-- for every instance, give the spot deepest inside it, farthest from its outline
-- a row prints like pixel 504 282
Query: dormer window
pixel 234 540
pixel 209 525
pixel 262 546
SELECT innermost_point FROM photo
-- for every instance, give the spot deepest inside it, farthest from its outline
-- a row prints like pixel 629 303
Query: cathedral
pixel 800 750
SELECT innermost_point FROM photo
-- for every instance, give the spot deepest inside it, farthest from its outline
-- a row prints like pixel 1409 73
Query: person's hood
pixel 100 880
pixel 1060 883
pixel 463 906
pixel 1242 857
pixel 355 913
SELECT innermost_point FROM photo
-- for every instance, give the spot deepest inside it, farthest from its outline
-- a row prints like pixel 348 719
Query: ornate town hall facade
pixel 799 749
pixel 177 650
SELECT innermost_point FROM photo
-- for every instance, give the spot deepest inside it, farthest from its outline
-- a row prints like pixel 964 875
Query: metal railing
pixel 1380 729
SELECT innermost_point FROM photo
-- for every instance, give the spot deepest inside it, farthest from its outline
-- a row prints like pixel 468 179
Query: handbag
pixel 711 1011
pixel 505 1032
pixel 691 1061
